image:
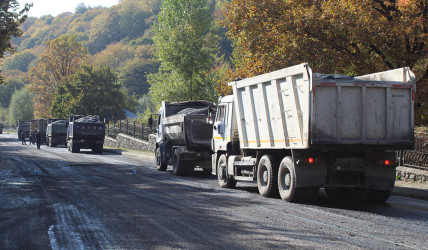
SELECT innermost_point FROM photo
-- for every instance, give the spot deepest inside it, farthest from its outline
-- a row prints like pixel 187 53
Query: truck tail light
pixel 313 160
pixel 384 162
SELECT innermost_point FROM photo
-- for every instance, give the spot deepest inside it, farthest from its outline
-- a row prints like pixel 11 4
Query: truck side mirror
pixel 219 126
pixel 210 121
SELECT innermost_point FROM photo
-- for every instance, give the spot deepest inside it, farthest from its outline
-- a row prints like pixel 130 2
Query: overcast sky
pixel 55 7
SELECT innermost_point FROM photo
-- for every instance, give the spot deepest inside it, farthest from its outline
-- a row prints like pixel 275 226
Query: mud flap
pixel 308 175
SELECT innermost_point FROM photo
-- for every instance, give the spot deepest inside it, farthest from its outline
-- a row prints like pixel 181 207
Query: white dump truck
pixel 294 131
pixel 184 136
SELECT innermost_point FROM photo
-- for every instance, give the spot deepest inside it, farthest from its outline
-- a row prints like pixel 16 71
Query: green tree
pixel 108 32
pixel 133 76
pixel 144 103
pixel 90 91
pixel 8 89
pixel 62 58
pixel 133 15
pixel 4 115
pixel 19 61
pixel 185 47
pixel 21 107
pixel 10 20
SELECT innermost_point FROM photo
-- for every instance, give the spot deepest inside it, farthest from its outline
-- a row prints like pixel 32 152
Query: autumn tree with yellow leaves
pixel 349 36
pixel 62 58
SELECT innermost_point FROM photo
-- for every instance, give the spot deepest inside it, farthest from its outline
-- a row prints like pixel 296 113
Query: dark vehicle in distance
pixel 39 125
pixel 87 132
pixel 23 126
pixel 184 136
pixel 56 132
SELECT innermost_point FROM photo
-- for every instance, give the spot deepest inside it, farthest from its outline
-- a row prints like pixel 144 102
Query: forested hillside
pixel 118 36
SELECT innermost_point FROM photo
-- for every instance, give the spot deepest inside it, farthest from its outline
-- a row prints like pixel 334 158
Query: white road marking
pixel 52 238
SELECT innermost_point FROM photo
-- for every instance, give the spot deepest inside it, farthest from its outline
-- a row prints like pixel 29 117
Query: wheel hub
pixel 287 180
pixel 265 176
pixel 222 171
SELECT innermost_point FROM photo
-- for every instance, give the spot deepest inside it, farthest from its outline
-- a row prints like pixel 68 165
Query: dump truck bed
pixel 186 125
pixel 189 130
pixel 294 108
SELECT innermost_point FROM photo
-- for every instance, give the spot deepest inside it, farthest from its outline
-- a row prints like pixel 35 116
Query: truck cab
pixel 225 130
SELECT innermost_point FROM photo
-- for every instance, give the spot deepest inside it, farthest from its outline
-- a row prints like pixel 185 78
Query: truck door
pixel 159 125
pixel 219 128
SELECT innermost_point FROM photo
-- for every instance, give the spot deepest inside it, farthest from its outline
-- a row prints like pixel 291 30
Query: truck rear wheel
pixel 224 180
pixel 98 149
pixel 75 148
pixel 287 182
pixel 267 176
pixel 159 165
pixel 178 167
pixel 377 196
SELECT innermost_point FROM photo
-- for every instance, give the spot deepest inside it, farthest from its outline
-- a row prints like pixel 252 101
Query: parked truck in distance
pixel 85 132
pixel 294 131
pixel 38 125
pixel 184 136
pixel 56 132
pixel 23 126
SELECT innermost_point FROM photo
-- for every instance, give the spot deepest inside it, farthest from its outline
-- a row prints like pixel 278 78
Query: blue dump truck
pixel 85 132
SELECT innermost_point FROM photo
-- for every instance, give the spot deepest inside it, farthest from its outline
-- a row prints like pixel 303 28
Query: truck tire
pixel 337 193
pixel 98 149
pixel 354 194
pixel 159 165
pixel 224 180
pixel 178 165
pixel 377 196
pixel 267 177
pixel 287 182
pixel 75 148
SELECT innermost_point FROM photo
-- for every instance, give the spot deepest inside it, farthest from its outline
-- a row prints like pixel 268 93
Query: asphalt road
pixel 51 198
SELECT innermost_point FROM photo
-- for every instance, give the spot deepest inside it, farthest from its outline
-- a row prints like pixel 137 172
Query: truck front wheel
pixel 224 180
pixel 267 177
pixel 159 165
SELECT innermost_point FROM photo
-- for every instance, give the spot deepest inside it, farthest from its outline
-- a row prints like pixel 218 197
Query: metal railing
pixel 131 128
pixel 417 158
